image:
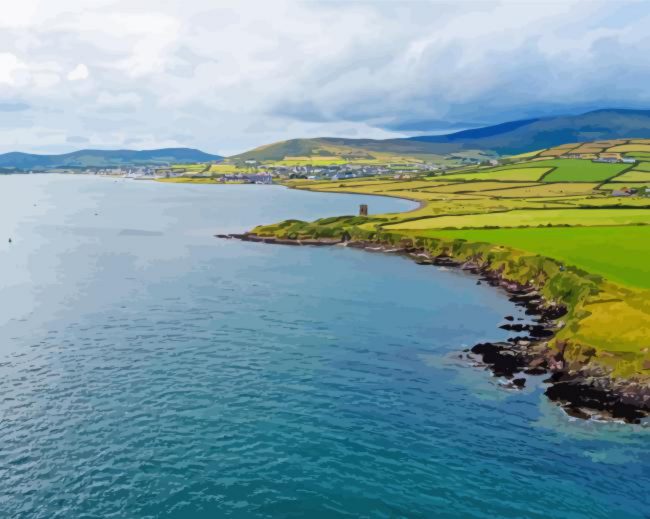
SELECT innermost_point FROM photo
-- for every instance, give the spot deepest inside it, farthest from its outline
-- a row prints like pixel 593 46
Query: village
pixel 254 172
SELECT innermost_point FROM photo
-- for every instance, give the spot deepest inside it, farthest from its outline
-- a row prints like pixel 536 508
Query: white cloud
pixel 226 76
pixel 9 65
pixel 80 72
pixel 17 14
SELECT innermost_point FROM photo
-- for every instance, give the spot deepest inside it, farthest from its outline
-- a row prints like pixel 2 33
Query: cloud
pixel 9 66
pixel 13 107
pixel 118 102
pixel 226 76
pixel 76 139
pixel 79 73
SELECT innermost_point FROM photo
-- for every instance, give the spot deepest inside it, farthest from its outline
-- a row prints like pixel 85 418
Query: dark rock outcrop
pixel 577 394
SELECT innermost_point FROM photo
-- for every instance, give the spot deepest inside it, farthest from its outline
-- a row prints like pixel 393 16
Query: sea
pixel 151 370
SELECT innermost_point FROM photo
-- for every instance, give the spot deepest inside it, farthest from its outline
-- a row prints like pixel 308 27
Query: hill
pixel 523 136
pixel 105 158
pixel 504 139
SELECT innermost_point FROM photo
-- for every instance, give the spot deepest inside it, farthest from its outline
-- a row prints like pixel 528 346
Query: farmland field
pixel 224 169
pixel 614 184
pixel 633 176
pixel 644 156
pixel 533 218
pixel 617 253
pixel 544 190
pixel 577 170
pixel 630 148
pixel 642 166
pixel 466 187
pixel 522 173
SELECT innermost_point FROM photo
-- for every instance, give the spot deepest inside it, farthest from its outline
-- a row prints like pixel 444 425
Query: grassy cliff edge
pixel 586 342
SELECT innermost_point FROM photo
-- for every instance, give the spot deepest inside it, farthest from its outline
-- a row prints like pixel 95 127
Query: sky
pixel 225 77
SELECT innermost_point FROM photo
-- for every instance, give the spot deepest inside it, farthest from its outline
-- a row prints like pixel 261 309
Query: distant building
pixel 625 191
pixel 607 160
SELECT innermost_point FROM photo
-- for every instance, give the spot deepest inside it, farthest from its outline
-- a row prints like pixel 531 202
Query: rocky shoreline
pixel 581 393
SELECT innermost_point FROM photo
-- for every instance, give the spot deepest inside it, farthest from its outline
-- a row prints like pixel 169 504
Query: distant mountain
pixel 505 139
pixel 105 158
pixel 533 134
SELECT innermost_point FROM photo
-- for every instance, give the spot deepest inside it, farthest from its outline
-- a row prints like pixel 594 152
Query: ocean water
pixel 148 369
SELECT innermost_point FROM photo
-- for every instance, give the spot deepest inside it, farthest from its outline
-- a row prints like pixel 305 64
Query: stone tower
pixel 363 210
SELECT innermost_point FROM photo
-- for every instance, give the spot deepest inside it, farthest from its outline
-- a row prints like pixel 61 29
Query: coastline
pixel 421 203
pixel 582 391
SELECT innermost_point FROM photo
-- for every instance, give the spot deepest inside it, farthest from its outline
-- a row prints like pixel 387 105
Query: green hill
pixel 105 158
pixel 504 139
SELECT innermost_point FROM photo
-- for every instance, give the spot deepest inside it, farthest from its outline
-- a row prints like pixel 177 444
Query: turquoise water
pixel 148 369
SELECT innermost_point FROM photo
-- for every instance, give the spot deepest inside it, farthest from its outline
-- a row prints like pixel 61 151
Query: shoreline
pixel 582 395
pixel 421 203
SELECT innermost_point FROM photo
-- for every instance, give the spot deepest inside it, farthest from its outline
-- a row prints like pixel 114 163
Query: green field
pixel 469 187
pixel 641 156
pixel 633 176
pixel 642 166
pixel 532 218
pixel 630 148
pixel 564 189
pixel 618 185
pixel 521 173
pixel 616 253
pixel 577 170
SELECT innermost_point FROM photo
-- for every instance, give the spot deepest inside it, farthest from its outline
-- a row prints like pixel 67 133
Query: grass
pixel 592 201
pixel 643 156
pixel 194 168
pixel 544 190
pixel 466 187
pixel 629 148
pixel 528 155
pixel 533 218
pixel 610 186
pixel 578 170
pixel 642 166
pixel 313 160
pixel 558 150
pixel 588 148
pixel 505 174
pixel 225 169
pixel 633 176
pixel 617 253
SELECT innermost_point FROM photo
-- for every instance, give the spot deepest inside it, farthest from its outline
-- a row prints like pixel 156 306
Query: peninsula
pixel 564 230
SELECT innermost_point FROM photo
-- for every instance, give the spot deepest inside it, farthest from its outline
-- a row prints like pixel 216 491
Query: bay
pixel 148 369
